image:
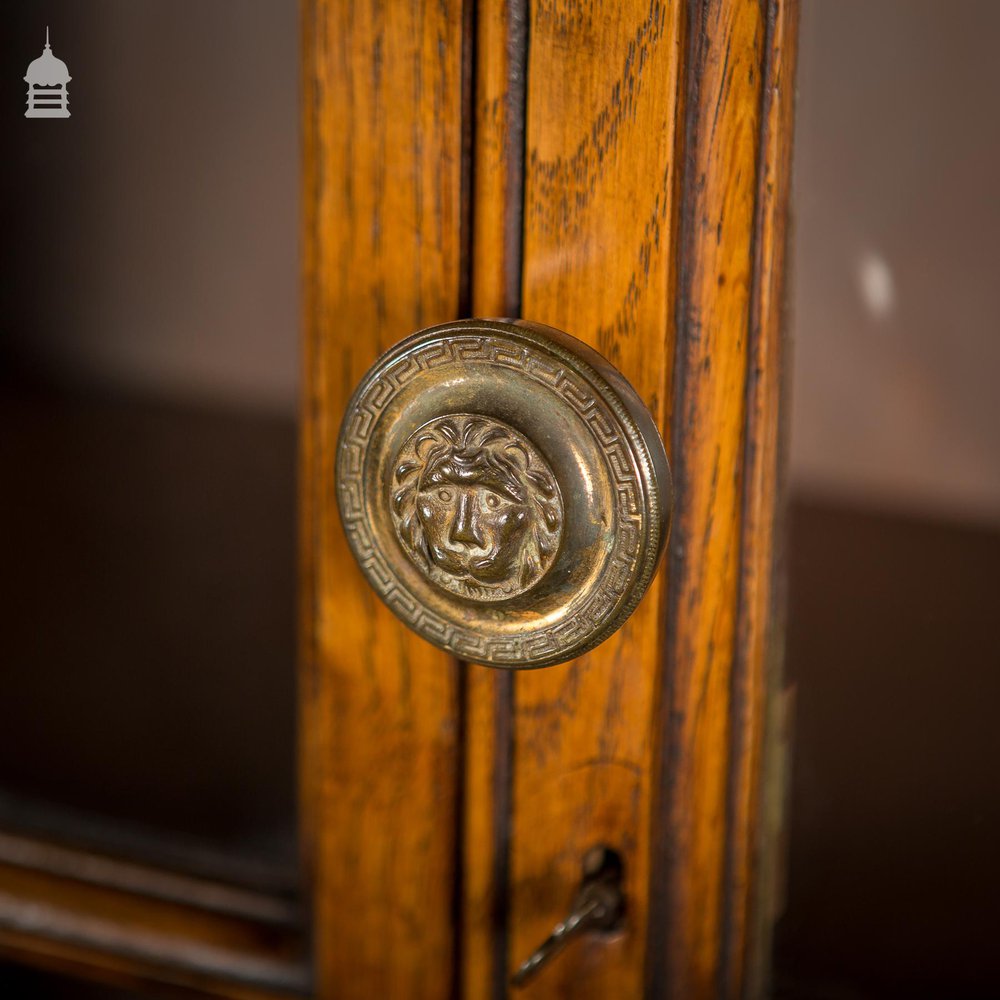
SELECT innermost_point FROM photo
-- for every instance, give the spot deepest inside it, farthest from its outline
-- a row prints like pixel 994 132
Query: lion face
pixel 476 507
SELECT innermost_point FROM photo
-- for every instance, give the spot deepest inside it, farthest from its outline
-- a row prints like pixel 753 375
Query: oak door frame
pixel 620 171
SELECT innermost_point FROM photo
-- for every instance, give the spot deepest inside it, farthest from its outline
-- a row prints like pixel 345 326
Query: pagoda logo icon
pixel 47 78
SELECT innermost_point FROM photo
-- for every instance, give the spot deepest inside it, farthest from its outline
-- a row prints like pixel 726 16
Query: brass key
pixel 599 906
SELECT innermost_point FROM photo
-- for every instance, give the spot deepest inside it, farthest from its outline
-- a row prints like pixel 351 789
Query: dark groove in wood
pixel 466 244
pixel 458 882
pixel 503 788
pixel 468 113
pixel 517 47
pixel 660 909
pixel 503 792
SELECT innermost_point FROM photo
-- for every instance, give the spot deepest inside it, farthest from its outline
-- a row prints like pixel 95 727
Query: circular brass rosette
pixel 504 490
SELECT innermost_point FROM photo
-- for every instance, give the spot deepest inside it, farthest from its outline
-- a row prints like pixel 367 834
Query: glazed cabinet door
pixel 619 171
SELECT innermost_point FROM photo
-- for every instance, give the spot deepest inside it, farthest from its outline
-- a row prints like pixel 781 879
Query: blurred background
pixel 893 643
pixel 149 363
pixel 149 317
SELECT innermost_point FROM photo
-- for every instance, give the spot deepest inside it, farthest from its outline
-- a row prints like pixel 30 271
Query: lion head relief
pixel 476 507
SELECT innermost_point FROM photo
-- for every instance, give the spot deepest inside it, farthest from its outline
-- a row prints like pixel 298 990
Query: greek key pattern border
pixel 585 622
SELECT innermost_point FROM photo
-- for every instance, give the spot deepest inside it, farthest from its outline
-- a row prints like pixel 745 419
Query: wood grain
pixel 715 693
pixel 597 741
pixel 383 93
pixel 599 209
pixel 649 226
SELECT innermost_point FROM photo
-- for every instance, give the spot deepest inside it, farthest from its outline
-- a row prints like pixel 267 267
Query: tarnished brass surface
pixel 504 490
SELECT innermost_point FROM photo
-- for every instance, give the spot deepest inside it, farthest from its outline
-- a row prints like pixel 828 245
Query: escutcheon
pixel 504 490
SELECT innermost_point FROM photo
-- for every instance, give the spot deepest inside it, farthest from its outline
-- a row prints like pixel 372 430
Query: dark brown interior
pixel 148 595
pixel 148 369
pixel 893 651
pixel 20 981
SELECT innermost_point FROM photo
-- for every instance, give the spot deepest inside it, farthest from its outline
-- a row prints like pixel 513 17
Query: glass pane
pixel 148 432
pixel 892 640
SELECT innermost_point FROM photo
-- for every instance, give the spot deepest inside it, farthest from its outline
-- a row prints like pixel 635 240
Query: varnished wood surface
pixel 647 183
pixel 727 353
pixel 672 710
pixel 722 127
pixel 107 918
pixel 383 99
pixel 19 852
pixel 599 211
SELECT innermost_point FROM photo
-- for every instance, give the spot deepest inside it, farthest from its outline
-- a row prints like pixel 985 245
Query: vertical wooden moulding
pixel 382 97
pixel 755 780
pixel 725 412
pixel 720 145
pixel 598 215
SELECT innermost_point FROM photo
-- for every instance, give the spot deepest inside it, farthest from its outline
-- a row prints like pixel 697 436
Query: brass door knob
pixel 504 490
